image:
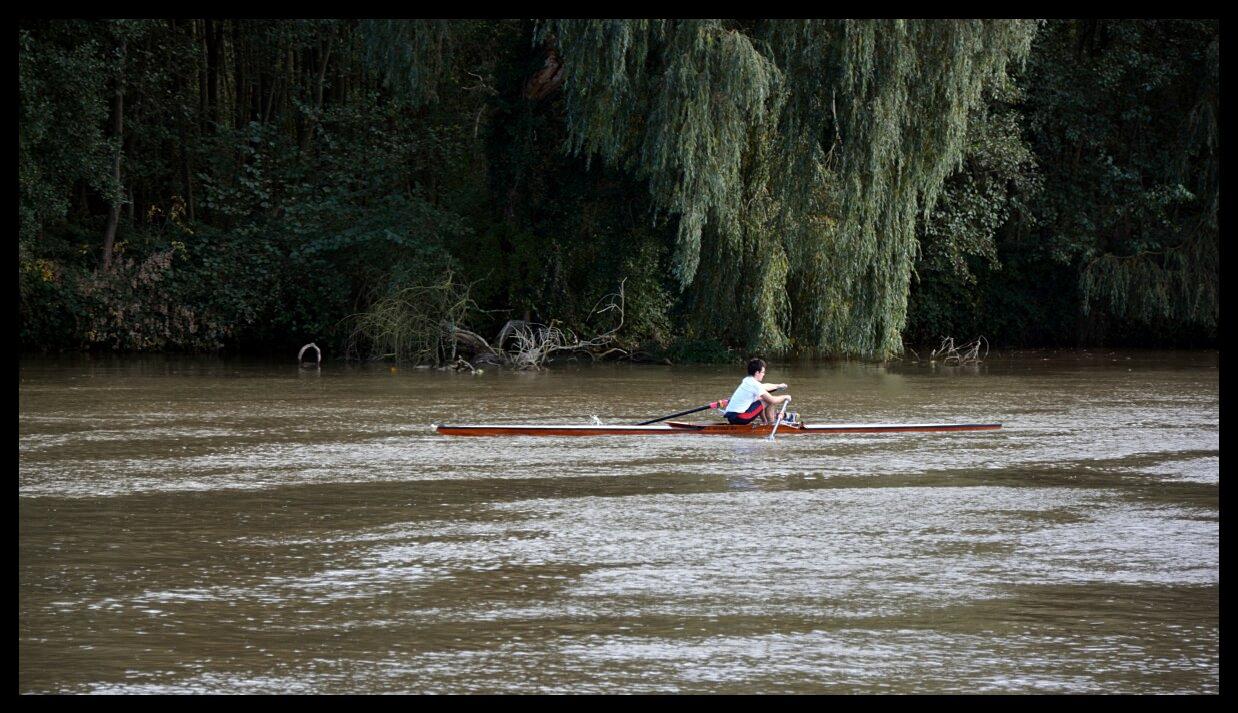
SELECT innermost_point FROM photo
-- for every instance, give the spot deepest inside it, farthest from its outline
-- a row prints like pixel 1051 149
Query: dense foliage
pixel 820 187
pixel 1088 215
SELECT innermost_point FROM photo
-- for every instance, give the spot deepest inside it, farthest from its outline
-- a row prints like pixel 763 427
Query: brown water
pixel 243 527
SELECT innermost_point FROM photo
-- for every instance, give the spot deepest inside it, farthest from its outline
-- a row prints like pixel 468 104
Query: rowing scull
pixel 704 429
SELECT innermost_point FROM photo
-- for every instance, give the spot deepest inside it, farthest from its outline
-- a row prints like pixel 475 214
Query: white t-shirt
pixel 749 390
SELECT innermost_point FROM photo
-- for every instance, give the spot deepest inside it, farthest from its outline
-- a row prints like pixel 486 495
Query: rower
pixel 755 399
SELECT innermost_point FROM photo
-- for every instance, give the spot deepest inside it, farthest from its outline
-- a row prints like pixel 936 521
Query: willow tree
pixel 674 102
pixel 799 154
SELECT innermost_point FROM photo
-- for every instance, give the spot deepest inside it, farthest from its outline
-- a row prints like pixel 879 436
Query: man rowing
pixel 753 399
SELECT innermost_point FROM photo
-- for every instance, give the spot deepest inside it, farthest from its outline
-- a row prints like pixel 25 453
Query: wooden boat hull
pixel 677 428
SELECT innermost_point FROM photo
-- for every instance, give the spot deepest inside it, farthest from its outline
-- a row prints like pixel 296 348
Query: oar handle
pixel 780 415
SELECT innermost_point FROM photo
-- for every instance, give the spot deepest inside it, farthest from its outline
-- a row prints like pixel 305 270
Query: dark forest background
pixel 812 188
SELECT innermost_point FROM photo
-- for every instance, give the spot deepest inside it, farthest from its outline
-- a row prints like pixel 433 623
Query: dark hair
pixel 755 365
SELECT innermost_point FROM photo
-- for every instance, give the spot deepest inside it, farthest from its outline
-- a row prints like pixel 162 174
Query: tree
pixel 1123 116
pixel 62 69
pixel 695 107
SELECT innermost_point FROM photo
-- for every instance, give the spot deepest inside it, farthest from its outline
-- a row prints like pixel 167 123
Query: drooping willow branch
pixel 809 148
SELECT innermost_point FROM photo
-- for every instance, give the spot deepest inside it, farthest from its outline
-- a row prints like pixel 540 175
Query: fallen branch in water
pixel 951 355
pixel 422 323
pixel 532 344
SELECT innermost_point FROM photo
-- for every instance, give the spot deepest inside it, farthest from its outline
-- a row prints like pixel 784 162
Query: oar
pixel 711 404
pixel 779 421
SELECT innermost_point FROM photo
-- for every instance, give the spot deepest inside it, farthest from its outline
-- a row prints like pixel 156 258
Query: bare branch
pixel 954 356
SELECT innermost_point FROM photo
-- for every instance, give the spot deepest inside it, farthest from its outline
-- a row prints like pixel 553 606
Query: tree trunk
pixel 202 73
pixel 214 47
pixel 118 131
pixel 545 80
pixel 182 81
pixel 83 204
pixel 266 115
pixel 313 120
pixel 241 94
pixel 291 85
pixel 258 91
pixel 186 169
pixel 187 173
pixel 271 87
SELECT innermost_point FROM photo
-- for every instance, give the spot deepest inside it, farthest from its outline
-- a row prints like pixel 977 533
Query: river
pixel 241 526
